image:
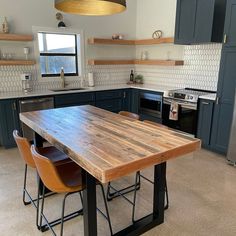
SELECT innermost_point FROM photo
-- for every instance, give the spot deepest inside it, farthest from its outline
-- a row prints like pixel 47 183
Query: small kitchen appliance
pixel 26 82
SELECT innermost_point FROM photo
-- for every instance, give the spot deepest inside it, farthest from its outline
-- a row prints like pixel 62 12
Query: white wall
pixel 155 15
pixel 23 14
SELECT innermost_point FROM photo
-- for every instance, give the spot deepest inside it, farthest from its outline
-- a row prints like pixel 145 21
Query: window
pixel 56 51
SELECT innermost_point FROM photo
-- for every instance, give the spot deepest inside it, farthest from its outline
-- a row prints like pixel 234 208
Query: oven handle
pixel 182 104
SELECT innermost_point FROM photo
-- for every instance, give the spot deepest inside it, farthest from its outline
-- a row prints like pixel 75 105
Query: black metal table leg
pixel 159 191
pixel 89 204
pixel 157 217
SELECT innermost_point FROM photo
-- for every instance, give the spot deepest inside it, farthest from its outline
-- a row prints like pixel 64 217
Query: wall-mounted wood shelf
pixel 17 62
pixel 130 42
pixel 137 62
pixel 159 62
pixel 16 37
pixel 110 62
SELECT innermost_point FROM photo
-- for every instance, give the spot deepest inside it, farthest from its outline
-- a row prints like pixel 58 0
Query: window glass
pixel 57 51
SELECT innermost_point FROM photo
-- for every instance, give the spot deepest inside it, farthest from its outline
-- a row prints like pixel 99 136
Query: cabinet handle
pixel 14 106
pixel 217 100
pixel 124 95
pixel 205 103
pixel 225 38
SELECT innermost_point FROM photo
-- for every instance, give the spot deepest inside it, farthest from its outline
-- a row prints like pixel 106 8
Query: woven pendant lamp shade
pixel 91 7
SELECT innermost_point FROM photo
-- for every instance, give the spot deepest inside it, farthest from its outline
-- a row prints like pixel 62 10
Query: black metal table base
pixel 138 227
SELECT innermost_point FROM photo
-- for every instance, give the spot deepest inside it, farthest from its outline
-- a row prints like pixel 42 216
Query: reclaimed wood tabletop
pixel 105 144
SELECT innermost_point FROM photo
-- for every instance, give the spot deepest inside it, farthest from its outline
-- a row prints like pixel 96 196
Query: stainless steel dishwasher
pixel 34 105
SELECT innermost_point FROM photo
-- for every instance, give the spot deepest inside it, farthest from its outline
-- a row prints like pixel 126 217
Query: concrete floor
pixel 202 191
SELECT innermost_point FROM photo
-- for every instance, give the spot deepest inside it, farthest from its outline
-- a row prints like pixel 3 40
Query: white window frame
pixel 80 51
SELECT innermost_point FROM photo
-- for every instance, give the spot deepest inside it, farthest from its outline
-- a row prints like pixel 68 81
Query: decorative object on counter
pixel 60 18
pixel 26 82
pixel 91 7
pixel 90 79
pixel 5 26
pixel 157 34
pixel 131 78
pixel 144 55
pixel 62 76
pixel 26 52
pixel 138 79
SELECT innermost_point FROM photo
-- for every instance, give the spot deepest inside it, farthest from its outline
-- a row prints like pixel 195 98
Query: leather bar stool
pixel 65 179
pixel 23 145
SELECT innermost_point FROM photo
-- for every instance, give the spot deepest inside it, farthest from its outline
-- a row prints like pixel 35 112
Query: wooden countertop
pixel 108 145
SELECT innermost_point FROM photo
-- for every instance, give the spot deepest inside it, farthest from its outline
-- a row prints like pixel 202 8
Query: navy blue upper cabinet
pixel 223 111
pixel 230 27
pixel 9 121
pixel 199 21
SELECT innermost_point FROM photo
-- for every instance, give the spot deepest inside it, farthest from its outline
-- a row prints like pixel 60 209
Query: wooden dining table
pixel 109 146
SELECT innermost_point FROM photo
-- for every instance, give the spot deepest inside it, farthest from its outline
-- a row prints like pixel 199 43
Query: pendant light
pixel 91 7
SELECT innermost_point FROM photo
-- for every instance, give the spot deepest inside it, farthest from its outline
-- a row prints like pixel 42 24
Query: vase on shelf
pixel 5 27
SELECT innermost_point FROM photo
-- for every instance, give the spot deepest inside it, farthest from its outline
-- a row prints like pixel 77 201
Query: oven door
pixel 150 104
pixel 187 116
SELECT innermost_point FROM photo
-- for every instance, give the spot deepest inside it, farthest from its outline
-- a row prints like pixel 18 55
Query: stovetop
pixel 187 94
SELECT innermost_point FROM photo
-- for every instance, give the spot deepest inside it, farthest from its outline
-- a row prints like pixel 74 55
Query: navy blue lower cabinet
pixel 205 122
pixel 134 101
pixel 9 120
pixel 114 100
pixel 126 106
pixel 74 99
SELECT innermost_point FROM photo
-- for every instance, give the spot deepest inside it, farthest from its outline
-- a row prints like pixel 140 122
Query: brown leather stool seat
pixel 66 178
pixel 57 157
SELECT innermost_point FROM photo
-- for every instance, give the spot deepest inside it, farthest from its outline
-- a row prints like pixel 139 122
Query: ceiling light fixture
pixel 91 7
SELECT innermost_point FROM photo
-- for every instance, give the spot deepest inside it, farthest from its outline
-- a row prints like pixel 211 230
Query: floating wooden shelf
pixel 130 42
pixel 110 62
pixel 16 37
pixel 137 62
pixel 159 62
pixel 16 62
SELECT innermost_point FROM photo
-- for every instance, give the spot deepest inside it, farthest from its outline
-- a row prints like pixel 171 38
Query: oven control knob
pixel 191 97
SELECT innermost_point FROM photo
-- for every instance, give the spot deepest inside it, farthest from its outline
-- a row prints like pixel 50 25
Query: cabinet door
pixel 126 100
pixel 75 99
pixel 230 26
pixel 205 121
pixel 134 100
pixel 113 105
pixel 204 21
pixel 185 21
pixel 9 121
pixel 223 111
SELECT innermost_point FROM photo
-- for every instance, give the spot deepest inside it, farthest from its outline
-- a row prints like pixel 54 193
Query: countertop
pixel 211 96
pixel 47 92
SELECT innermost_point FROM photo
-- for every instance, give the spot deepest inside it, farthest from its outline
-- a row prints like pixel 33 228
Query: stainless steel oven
pixel 150 104
pixel 187 116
